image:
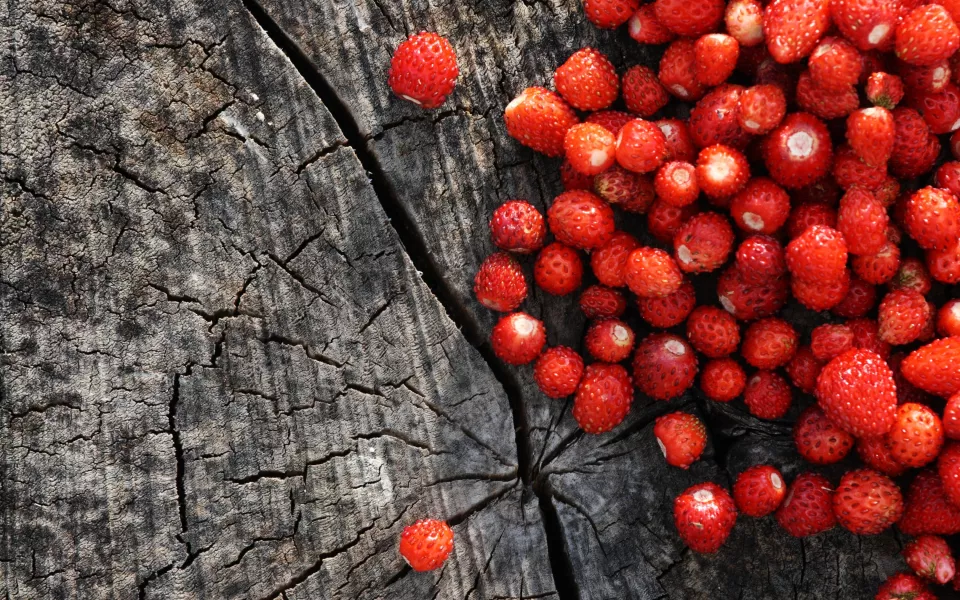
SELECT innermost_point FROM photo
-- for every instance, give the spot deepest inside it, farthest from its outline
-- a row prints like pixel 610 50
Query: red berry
pixel 587 80
pixel 603 398
pixel 820 295
pixel 927 510
pixel 558 269
pixel 876 453
pixel 835 64
pixel 558 371
pixel 818 439
pixel 761 108
pixel 866 336
pixel 819 254
pixel 850 171
pixel 798 152
pixel 860 299
pixel 500 284
pixel 828 341
pixel 884 89
pixel 517 226
pixel 825 104
pixel 518 338
pixel 769 343
pixel 948 468
pixel 680 144
pixel 916 436
pixel 539 119
pixel 690 19
pixel 681 437
pixel 925 78
pixel 573 179
pixel 609 340
pixel 645 28
pixel 759 490
pixel 805 216
pixel 912 275
pixel 744 20
pixel 715 58
pixel 618 185
pixel 664 366
pixel 426 544
pixel 722 171
pixel 642 91
pixel 792 28
pixel 869 24
pixel 933 368
pixel 664 220
pixel 581 219
pixel 951 417
pixel 803 370
pixel 902 315
pixel 676 183
pixel 640 146
pixel 424 70
pixel 878 268
pixel 863 222
pixel 598 301
pixel 747 301
pixel 915 149
pixel 808 508
pixel 948 318
pixel 870 132
pixel 714 119
pixel 703 243
pixel 941 110
pixel 944 265
pixel 857 392
pixel 929 556
pixel 670 310
pixel 722 379
pixel 867 502
pixel 713 332
pixel 927 35
pixel 947 177
pixel 609 14
pixel 903 585
pixel 767 395
pixel 704 515
pixel 760 258
pixel 613 120
pixel 609 260
pixel 652 273
pixel 761 207
pixel 590 148
pixel 677 67
pixel 933 218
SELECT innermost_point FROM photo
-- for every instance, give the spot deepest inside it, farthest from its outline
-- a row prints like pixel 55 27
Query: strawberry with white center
pixel 704 516
pixel 676 183
pixel 590 148
pixel 799 151
pixel 645 28
pixel 761 108
pixel 677 68
pixel 426 544
pixel 664 366
pixel 424 70
pixel 518 338
pixel 759 490
pixel 929 556
pixel 517 226
pixel 609 340
pixel 762 206
pixel 722 171
pixel 869 24
pixel 681 437
pixel 744 20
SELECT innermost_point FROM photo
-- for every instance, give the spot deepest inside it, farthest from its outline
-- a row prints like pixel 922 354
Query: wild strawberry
pixel 713 332
pixel 613 120
pixel 703 243
pixel 608 261
pixel 558 371
pixel 869 24
pixel 803 370
pixel 857 392
pixel 903 585
pixel 645 28
pixel 947 177
pixel 820 295
pixel 933 218
pixel 680 144
pixel 792 28
pixel 798 151
pixel 761 108
pixel 866 336
pixel 769 343
pixel 880 267
pixel 517 226
pixel 915 149
pixel 713 120
pixel 867 502
pixel 744 21
pixel 808 508
pixel 603 398
pixel 925 78
pixel 804 216
pixel 876 453
pixel 681 437
pixel 590 148
pixel 835 64
pixel 948 319
pixel 539 119
pixel 860 299
pixel 652 273
pixel 689 20
pixel 609 340
pixel 722 379
pixel 573 179
pixel 704 515
pixel 558 269
pixel 870 132
pixel 715 58
pixel 828 341
pixel 617 185
pixel 424 70
pixel 951 417
pixel 933 368
pixel 825 104
pixel 426 544
pixel 499 284
pixel 664 366
pixel 640 146
pixel 677 67
pixel 518 338
pixel 642 91
pixel 927 35
pixel 912 275
pixel 948 468
pixel 770 72
pixel 609 14
pixel 888 192
pixel 598 301
pixel 587 80
pixel 767 395
pixel 941 110
pixel 929 556
pixel 863 222
pixel 676 183
pixel 670 310
pixel 944 265
pixel 818 439
pixel 819 254
pixel 916 436
pixel 748 301
pixel 581 219
pixel 927 510
pixel 902 315
pixel 664 220
pixel 760 258
pixel 884 89
pixel 759 490
pixel 761 207
pixel 850 171
pixel 722 171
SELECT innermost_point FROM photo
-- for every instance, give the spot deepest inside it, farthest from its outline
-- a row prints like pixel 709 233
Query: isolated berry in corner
pixel 722 379
pixel 603 398
pixel 539 119
pixel 609 14
pixel 857 392
pixel 424 70
pixel 558 269
pixel 558 371
pixel 704 515
pixel 664 366
pixel 929 556
pixel 609 340
pixel 867 502
pixel 681 437
pixel 500 284
pixel 517 226
pixel 518 338
pixel 808 508
pixel 818 440
pixel 759 490
pixel 426 544
pixel 600 301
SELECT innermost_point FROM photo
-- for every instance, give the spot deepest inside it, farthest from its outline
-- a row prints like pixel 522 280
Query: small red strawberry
pixel 573 179
pixel 818 439
pixel 828 341
pixel 929 556
pixel 748 301
pixel 609 340
pixel 558 371
pixel 863 222
pixel 925 78
pixel 609 14
pixel 558 269
pixel 803 370
pixel 857 392
pixel 722 171
pixel 670 310
pixel 760 258
pixel 928 511
pixel 759 490
pixel 948 318
pixel 424 70
pixel 500 284
pixel 948 468
pixel 944 265
pixel 617 185
pixel 866 336
pixel 722 379
pixel 680 144
pixel 916 436
pixel 933 218
pixel 878 268
pixel 517 226
pixel 820 295
pixel 860 299
pixel 901 586
pixel 761 108
pixel 703 243
pixel 822 103
pixel 609 260
pixel 664 366
pixel 769 343
pixel 603 398
pixel 581 219
pixel 642 91
pixel 652 273
pixel 690 19
pixel 927 35
pixel 835 64
pixel 744 21
pixel 915 149
pixel 867 502
pixel 792 28
pixel 664 220
pixel 598 301
pixel 713 332
pixel 587 80
pixel 947 177
pixel 850 171
pixel 807 215
pixel 761 207
pixel 912 275
pixel 870 132
pixel 590 148
pixel 767 395
pixel 645 28
pixel 869 24
pixel 681 437
pixel 808 508
pixel 677 67
pixel 716 57
pixel 539 119
pixel 941 110
pixel 641 146
pixel 799 151
pixel 951 417
pixel 819 254
pixel 704 515
pixel 676 183
pixel 426 544
pixel 884 89
pixel 876 453
pixel 902 316
pixel 518 338
pixel 713 120
pixel 933 368
pixel 613 120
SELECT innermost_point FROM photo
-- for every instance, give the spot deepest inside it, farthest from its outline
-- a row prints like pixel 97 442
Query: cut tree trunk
pixel 239 346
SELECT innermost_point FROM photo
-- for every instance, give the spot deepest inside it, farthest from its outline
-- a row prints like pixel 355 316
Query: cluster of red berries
pixel 799 173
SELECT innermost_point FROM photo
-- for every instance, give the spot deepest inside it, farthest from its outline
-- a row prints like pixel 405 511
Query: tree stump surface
pixel 240 349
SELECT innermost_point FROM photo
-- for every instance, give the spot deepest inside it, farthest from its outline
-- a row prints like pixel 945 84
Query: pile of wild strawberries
pixel 802 172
